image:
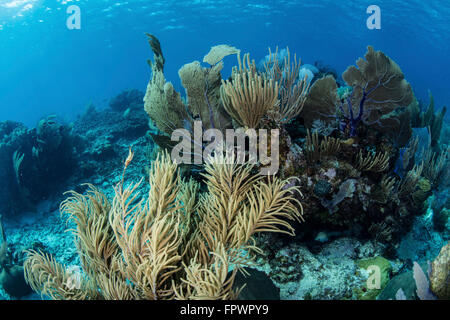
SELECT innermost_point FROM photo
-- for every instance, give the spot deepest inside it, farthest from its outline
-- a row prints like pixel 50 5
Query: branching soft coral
pixel 165 246
pixel 293 90
pixel 378 88
pixel 165 106
pixel 277 94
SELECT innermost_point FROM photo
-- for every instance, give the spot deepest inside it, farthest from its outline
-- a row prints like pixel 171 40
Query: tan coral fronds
pixel 203 95
pixel 209 281
pixel 385 191
pixel 381 82
pixel 164 180
pixel 114 287
pixel 149 246
pixel 17 159
pixel 167 109
pixel 163 104
pixel 240 205
pixel 188 195
pixel 375 162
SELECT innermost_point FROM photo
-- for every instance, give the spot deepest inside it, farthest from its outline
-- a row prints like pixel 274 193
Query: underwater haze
pixel 48 69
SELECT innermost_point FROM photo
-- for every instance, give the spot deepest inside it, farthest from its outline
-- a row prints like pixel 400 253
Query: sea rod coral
pixel 178 243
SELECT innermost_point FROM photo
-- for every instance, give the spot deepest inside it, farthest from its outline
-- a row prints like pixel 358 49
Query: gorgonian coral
pixel 177 243
pixel 169 110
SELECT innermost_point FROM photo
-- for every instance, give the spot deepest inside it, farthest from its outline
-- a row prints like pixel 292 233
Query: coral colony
pixel 235 168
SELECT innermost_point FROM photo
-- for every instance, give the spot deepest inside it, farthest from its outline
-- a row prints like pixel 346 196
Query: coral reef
pixel 47 153
pixel 359 147
pixel 166 107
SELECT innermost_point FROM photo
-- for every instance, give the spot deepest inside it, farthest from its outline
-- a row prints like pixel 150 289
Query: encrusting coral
pixel 177 243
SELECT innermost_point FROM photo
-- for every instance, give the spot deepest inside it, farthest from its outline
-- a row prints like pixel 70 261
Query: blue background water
pixel 46 68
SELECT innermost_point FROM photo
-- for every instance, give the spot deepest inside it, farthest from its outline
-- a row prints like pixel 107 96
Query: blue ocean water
pixel 48 69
